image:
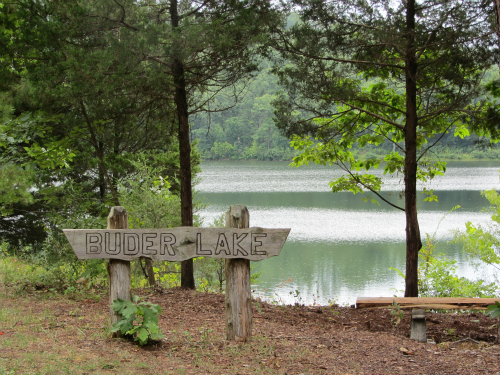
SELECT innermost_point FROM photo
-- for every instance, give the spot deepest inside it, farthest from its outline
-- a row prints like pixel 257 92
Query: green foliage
pixel 29 138
pixel 150 202
pixel 437 278
pixel 494 310
pixel 352 131
pixel 167 274
pixel 246 130
pixel 222 150
pixel 52 262
pixel 17 273
pixel 15 185
pixel 27 144
pixel 94 124
pixel 436 274
pixel 24 274
pixel 139 319
pixel 147 197
pixel 64 271
pixel 482 243
pixel 416 80
pixel 431 197
pixel 210 273
pixel 397 314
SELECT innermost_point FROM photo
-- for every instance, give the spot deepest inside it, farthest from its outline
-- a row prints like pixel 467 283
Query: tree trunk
pixel 100 155
pixel 413 241
pixel 180 98
pixel 102 182
pixel 497 20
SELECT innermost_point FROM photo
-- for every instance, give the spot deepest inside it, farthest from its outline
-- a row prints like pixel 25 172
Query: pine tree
pixel 204 46
pixel 366 72
pixel 117 65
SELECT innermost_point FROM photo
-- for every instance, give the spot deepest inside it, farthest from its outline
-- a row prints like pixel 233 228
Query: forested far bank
pixel 247 131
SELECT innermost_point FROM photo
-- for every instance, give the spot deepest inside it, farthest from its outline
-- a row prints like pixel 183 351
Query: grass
pixel 60 336
pixel 42 332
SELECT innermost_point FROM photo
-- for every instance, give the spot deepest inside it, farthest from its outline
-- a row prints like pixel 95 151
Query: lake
pixel 341 247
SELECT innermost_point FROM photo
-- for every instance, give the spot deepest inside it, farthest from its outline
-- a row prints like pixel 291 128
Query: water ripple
pixel 343 226
pixel 218 177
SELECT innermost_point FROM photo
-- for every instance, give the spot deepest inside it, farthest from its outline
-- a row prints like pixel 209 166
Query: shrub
pixel 139 319
pixel 437 278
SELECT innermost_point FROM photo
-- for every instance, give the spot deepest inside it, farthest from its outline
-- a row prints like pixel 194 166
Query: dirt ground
pixel 71 336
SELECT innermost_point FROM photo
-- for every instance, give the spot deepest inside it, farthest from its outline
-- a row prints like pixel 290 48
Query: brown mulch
pixel 287 339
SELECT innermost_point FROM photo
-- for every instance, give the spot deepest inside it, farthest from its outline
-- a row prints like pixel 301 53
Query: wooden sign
pixel 177 244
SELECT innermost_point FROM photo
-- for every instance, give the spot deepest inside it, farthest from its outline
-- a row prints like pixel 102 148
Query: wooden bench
pixel 418 305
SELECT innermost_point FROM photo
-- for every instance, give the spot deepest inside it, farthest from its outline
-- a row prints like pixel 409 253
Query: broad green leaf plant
pixel 437 273
pixel 481 242
pixel 139 319
pixel 494 312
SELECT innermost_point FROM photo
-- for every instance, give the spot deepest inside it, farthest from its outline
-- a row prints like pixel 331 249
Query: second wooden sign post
pixel 238 292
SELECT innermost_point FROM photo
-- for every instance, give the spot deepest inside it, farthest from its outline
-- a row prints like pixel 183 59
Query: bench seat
pixel 437 303
pixel 418 305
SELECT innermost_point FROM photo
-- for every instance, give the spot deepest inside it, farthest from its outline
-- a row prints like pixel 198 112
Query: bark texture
pixel 149 272
pixel 497 20
pixel 100 155
pixel 180 99
pixel 238 292
pixel 413 241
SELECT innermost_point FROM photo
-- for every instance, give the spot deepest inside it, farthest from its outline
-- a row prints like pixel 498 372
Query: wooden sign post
pixel 238 293
pixel 237 243
pixel 118 270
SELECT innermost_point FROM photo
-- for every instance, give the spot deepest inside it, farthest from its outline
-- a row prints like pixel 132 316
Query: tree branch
pixel 99 154
pixel 399 126
pixel 431 146
pixel 348 170
pixel 292 49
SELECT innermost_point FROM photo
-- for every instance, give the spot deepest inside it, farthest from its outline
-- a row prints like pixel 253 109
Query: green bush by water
pixel 437 273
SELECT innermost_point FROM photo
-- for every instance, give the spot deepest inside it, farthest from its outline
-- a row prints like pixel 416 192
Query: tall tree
pixel 79 71
pixel 367 72
pixel 203 47
pixel 127 60
pixel 496 7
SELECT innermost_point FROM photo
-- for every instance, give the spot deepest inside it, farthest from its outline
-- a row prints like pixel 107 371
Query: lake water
pixel 340 247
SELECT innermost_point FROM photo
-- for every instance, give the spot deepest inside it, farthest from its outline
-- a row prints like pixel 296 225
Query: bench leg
pixel 418 326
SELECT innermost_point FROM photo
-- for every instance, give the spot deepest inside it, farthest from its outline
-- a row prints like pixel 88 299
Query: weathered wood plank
pixel 118 270
pixel 177 244
pixel 238 291
pixel 431 306
pixel 443 303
